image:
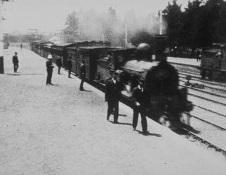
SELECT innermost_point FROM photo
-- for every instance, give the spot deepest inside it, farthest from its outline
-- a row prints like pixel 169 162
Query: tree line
pixel 199 25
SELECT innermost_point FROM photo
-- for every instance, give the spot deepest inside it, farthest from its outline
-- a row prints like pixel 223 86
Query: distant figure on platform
pixel 21 46
pixel 112 96
pixel 49 68
pixel 69 67
pixel 59 64
pixel 199 55
pixel 82 74
pixel 139 106
pixel 15 62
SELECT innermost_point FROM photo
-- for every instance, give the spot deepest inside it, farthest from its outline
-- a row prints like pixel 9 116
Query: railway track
pixel 208 88
pixel 207 83
pixel 198 78
pixel 204 91
pixel 216 101
pixel 209 110
pixel 187 130
pixel 195 136
pixel 194 71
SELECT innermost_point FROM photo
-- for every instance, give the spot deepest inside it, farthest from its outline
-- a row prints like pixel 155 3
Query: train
pixel 213 63
pixel 133 65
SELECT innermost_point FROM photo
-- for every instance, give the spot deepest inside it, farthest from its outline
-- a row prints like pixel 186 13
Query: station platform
pixel 59 130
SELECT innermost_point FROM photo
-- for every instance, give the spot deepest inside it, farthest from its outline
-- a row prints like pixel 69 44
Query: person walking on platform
pixel 59 64
pixel 198 55
pixel 82 74
pixel 49 68
pixel 69 67
pixel 139 106
pixel 15 62
pixel 112 95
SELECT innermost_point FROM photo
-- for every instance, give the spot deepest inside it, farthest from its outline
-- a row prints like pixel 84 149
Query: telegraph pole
pixel 126 36
pixel 1 37
pixel 160 22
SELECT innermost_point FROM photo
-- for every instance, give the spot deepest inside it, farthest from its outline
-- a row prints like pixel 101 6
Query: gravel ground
pixel 58 130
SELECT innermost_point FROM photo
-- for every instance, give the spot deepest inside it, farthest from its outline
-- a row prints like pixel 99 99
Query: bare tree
pixel 71 32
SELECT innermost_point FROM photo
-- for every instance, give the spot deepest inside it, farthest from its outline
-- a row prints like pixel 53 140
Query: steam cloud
pixel 108 26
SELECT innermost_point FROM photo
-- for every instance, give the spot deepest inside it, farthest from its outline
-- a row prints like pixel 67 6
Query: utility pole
pixel 1 37
pixel 160 22
pixel 126 36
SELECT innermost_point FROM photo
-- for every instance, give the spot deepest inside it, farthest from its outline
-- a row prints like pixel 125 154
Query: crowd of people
pixel 49 68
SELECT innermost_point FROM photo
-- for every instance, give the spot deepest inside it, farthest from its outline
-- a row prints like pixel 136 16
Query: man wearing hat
pixel 69 67
pixel 82 74
pixel 140 103
pixel 49 68
pixel 15 62
pixel 112 95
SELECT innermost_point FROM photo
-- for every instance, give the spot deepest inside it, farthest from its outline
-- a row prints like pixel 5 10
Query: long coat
pixel 112 91
pixel 49 66
pixel 82 71
pixel 15 59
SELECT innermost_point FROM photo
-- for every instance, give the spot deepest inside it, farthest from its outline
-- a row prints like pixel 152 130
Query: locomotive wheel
pixel 174 118
pixel 164 120
pixel 185 119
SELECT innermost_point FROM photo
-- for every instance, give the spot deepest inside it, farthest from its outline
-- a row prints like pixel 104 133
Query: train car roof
pixel 37 41
pixel 212 50
pixel 139 66
pixel 89 47
pixel 94 47
pixel 63 44
pixel 118 49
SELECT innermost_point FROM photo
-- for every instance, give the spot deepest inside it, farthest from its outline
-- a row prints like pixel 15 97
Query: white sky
pixel 49 15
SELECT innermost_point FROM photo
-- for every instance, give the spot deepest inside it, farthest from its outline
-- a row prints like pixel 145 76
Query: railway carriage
pixel 89 55
pixel 35 46
pixel 213 63
pixel 114 59
pixel 46 49
pixel 59 51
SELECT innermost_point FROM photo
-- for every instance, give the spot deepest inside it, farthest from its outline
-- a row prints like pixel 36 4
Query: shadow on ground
pixel 20 74
pixel 149 134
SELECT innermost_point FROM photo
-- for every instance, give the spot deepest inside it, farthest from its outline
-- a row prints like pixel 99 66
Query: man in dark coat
pixel 69 67
pixel 112 95
pixel 15 62
pixel 139 106
pixel 59 64
pixel 49 68
pixel 82 75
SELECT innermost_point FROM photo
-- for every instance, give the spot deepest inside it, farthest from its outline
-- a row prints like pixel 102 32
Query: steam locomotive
pixel 165 100
pixel 164 97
